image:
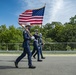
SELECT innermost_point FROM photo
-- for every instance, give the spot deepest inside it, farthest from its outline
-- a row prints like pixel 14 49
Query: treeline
pixel 52 32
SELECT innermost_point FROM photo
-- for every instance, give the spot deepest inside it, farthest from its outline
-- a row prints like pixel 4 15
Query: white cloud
pixel 56 7
pixel 56 10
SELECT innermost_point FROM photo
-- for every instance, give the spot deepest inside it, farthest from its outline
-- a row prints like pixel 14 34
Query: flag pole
pixel 43 6
pixel 41 25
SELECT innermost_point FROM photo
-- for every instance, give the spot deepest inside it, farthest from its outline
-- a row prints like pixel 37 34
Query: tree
pixel 73 20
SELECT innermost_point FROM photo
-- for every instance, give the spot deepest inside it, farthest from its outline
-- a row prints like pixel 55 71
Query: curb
pixel 44 54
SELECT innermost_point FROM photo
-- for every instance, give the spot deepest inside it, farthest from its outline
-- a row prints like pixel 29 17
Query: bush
pixel 54 47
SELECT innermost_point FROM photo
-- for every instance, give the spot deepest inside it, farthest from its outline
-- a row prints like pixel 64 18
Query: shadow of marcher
pixel 7 67
pixel 12 67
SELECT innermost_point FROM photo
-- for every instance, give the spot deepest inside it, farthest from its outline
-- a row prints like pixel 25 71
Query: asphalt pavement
pixel 52 65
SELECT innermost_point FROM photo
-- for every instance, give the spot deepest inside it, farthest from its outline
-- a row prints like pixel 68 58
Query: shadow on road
pixel 12 67
pixel 13 60
pixel 7 67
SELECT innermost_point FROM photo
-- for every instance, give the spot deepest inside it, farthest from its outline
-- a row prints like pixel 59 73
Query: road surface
pixel 52 65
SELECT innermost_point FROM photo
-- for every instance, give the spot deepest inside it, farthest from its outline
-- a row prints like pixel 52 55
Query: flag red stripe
pixel 36 23
pixel 26 17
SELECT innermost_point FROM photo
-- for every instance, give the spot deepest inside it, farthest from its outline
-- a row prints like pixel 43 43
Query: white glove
pixel 32 37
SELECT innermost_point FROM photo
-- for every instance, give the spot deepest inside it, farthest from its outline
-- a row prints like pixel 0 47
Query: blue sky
pixel 56 10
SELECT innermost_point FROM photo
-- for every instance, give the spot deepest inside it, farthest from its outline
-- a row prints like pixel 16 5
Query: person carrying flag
pixel 26 47
pixel 34 17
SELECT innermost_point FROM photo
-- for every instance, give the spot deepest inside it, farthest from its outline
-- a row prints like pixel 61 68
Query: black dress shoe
pixel 16 65
pixel 32 67
pixel 39 60
pixel 34 57
pixel 42 57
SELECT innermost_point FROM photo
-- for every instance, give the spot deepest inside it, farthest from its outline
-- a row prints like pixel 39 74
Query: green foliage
pixel 10 35
pixel 55 47
pixel 68 48
pixel 52 32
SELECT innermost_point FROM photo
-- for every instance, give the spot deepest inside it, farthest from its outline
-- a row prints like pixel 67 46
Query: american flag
pixel 32 17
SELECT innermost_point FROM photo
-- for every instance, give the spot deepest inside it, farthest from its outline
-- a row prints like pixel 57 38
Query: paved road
pixel 52 65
